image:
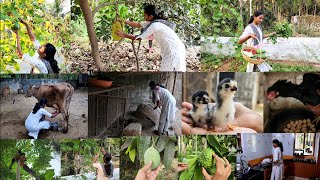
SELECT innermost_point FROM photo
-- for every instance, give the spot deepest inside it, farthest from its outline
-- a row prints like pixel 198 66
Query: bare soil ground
pixel 16 108
pixel 124 59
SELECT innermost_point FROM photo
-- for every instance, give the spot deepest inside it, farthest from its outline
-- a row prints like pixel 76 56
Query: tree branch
pixel 88 17
pixel 96 9
pixel 113 51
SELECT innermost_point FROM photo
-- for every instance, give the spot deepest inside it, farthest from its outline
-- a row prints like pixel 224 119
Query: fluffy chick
pixel 201 114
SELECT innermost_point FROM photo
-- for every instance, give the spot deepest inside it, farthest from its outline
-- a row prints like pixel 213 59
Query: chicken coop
pixel 113 108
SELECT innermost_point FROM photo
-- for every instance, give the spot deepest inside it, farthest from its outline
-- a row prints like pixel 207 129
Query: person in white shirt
pixel 277 160
pixel 162 97
pixel 254 36
pixel 173 51
pixel 36 119
pixel 43 59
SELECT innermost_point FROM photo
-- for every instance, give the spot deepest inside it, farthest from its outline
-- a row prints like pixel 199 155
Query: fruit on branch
pixel 205 158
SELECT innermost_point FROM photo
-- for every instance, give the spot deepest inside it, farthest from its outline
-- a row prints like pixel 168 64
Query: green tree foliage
pixel 220 18
pixel 38 155
pixel 184 13
pixel 46 27
pixel 77 155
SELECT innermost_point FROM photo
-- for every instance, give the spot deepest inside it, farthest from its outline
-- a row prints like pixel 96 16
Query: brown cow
pixel 58 96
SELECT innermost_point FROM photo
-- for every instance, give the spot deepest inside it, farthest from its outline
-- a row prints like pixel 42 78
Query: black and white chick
pixel 224 111
pixel 201 114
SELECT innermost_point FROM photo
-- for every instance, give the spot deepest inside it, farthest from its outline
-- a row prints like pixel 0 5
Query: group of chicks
pixel 214 116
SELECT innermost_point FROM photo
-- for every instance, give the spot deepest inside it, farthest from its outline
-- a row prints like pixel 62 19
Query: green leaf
pixel 186 175
pixel 213 141
pixel 17 67
pixel 169 152
pixel 162 142
pixel 216 30
pixel 192 163
pixel 144 144
pixel 126 143
pixel 49 174
pixel 132 154
pixel 198 173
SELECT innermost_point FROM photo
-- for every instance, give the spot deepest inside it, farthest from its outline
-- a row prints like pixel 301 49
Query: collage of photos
pixel 159 90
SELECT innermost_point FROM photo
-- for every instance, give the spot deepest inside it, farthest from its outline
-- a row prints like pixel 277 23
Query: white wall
pixel 295 48
pixel 255 146
pixel 287 140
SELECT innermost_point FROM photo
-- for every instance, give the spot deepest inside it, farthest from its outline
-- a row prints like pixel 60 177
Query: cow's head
pixel 31 90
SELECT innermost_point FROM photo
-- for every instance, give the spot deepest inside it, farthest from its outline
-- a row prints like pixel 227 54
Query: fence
pixel 107 110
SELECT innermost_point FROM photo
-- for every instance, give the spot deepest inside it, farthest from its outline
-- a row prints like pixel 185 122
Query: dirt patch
pixel 15 110
pixel 234 65
pixel 294 63
pixel 124 58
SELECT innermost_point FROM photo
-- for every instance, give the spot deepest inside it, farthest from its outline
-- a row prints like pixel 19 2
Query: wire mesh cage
pixel 107 111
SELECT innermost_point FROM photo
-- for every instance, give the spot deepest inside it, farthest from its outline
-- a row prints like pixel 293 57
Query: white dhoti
pixel 277 172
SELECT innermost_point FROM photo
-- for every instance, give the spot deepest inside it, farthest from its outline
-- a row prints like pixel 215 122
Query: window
pixel 304 144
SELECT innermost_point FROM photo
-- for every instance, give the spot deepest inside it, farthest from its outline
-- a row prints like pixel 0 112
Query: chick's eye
pixel 227 86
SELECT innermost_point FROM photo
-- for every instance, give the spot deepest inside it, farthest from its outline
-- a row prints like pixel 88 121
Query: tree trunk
pixel 91 33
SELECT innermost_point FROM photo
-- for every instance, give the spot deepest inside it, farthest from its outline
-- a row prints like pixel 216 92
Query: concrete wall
pixel 309 25
pixel 140 91
pixel 16 84
pixel 295 48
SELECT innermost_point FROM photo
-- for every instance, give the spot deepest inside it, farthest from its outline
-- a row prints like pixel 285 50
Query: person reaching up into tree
pixel 43 59
pixel 173 51
pixel 254 36
pixel 104 170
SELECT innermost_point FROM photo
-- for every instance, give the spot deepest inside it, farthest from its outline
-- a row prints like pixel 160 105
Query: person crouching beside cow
pixel 36 119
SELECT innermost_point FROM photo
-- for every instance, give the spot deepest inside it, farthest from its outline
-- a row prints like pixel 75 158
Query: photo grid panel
pixel 159 89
